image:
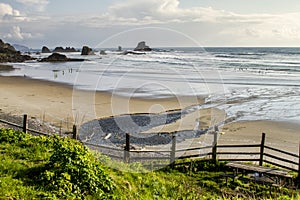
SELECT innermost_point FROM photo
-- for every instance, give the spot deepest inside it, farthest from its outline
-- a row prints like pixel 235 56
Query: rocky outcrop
pixel 56 57
pixel 62 50
pixel 102 52
pixel 45 50
pixel 142 47
pixel 6 48
pixel 9 54
pixel 87 51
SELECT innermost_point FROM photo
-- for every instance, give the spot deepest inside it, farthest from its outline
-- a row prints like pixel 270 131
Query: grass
pixel 54 168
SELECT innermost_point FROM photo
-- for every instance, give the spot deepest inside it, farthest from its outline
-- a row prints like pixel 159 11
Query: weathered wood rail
pixel 260 153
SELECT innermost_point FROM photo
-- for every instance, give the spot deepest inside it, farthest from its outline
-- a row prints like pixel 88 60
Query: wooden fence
pixel 261 153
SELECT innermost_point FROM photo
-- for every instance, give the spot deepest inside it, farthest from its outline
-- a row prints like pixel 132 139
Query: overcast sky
pixel 161 23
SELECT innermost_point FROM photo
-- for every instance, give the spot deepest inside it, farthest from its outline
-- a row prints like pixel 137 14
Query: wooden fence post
pixel 214 148
pixel 74 132
pixel 173 149
pixel 25 123
pixel 262 146
pixel 127 149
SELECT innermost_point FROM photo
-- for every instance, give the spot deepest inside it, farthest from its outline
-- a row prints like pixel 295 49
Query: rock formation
pixel 87 51
pixel 9 54
pixel 142 47
pixel 56 57
pixel 45 50
pixel 102 52
pixel 66 50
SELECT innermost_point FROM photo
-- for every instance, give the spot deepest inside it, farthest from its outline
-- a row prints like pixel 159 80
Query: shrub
pixel 73 171
pixel 11 136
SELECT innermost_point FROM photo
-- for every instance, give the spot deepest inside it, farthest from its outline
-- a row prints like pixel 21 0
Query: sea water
pixel 248 83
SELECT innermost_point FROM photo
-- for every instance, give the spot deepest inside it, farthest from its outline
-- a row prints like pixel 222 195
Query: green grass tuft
pixel 41 167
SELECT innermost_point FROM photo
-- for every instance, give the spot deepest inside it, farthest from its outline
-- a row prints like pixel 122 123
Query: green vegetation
pixel 41 167
pixel 53 167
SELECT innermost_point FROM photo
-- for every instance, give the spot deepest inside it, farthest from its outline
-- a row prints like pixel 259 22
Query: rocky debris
pixel 102 52
pixel 45 50
pixel 56 57
pixel 142 47
pixel 118 126
pixel 66 50
pixel 9 54
pixel 87 51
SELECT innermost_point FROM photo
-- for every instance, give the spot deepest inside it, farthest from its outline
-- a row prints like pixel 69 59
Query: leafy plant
pixel 73 171
pixel 12 136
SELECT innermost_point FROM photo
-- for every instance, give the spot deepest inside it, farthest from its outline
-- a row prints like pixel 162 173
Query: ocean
pixel 248 83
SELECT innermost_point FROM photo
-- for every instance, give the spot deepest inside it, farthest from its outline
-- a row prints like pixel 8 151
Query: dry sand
pixel 61 104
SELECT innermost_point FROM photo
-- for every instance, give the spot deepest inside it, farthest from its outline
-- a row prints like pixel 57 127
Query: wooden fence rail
pixel 259 155
pixel 215 153
pixel 25 129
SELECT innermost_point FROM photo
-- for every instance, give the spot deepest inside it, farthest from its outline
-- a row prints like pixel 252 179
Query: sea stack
pixel 102 52
pixel 45 50
pixel 86 51
pixel 56 57
pixel 66 50
pixel 142 47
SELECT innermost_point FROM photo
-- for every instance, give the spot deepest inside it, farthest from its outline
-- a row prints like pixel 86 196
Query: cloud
pixel 16 34
pixel 249 27
pixel 39 5
pixel 202 23
pixel 7 13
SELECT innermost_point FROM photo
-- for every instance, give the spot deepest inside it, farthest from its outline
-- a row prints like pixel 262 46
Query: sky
pixel 161 23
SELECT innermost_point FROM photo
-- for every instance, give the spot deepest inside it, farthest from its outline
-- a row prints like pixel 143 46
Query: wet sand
pixel 61 104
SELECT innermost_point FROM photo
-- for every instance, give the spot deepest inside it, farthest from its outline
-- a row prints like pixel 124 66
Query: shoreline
pixel 62 105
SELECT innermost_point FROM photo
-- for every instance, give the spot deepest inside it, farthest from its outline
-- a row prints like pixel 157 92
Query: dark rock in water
pixel 87 51
pixel 119 48
pixel 142 47
pixel 66 50
pixel 6 48
pixel 9 54
pixel 56 57
pixel 132 52
pixel 45 50
pixel 58 49
pixel 102 52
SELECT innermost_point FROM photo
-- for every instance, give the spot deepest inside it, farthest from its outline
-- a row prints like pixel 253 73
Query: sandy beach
pixel 56 103
pixel 62 104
